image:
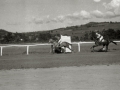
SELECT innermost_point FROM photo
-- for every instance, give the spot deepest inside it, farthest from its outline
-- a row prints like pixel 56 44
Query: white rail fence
pixel 27 46
pixel 20 46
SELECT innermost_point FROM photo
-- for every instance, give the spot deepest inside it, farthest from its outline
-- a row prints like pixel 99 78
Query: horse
pixel 56 45
pixel 104 42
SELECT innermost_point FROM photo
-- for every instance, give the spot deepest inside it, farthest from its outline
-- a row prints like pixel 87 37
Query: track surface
pixel 94 77
pixel 59 60
pixel 74 71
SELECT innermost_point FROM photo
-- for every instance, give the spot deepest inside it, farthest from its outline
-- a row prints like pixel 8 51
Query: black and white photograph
pixel 59 44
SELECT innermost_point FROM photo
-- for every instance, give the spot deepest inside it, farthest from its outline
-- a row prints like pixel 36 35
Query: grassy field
pixel 40 57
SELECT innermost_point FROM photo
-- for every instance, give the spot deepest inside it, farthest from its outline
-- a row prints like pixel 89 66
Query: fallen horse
pixel 59 48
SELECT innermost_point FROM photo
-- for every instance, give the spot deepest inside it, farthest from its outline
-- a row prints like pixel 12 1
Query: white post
pixel 1 50
pixel 27 50
pixel 79 47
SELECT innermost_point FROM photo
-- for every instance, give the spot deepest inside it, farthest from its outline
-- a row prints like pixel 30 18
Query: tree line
pixel 110 34
pixel 42 37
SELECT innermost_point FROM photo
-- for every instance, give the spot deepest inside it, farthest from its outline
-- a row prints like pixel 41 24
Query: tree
pixel 118 34
pixel 110 33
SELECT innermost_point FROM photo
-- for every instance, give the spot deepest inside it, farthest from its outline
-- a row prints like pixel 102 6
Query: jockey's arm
pixel 59 41
pixel 97 36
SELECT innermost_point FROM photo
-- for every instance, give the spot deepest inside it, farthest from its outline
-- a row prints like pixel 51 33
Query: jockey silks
pixel 100 37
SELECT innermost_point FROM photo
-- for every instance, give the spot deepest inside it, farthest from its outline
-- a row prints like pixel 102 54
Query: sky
pixel 41 15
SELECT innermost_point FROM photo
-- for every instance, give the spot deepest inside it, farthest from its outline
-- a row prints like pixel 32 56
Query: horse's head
pixel 51 41
pixel 55 43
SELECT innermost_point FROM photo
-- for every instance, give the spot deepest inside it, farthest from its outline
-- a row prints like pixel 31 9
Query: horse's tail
pixel 113 42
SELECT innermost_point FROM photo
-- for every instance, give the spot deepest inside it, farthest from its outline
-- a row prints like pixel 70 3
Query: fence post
pixel 27 50
pixel 79 47
pixel 1 50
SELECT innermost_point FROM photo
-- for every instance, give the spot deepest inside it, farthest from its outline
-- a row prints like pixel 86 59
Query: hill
pixel 81 29
pixel 3 32
pixel 77 33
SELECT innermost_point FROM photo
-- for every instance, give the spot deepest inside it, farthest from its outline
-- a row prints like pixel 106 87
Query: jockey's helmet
pixel 57 37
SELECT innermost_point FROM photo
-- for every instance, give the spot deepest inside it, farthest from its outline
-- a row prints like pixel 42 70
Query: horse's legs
pixel 66 45
pixel 64 49
pixel 52 49
pixel 69 47
pixel 103 47
pixel 106 48
pixel 93 47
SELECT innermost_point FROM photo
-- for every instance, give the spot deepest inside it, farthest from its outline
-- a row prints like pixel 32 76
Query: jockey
pixel 59 40
pixel 99 37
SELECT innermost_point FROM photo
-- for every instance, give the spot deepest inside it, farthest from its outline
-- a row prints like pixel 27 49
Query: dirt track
pixel 101 77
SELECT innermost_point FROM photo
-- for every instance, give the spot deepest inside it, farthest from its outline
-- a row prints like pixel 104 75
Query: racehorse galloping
pixel 63 44
pixel 104 43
